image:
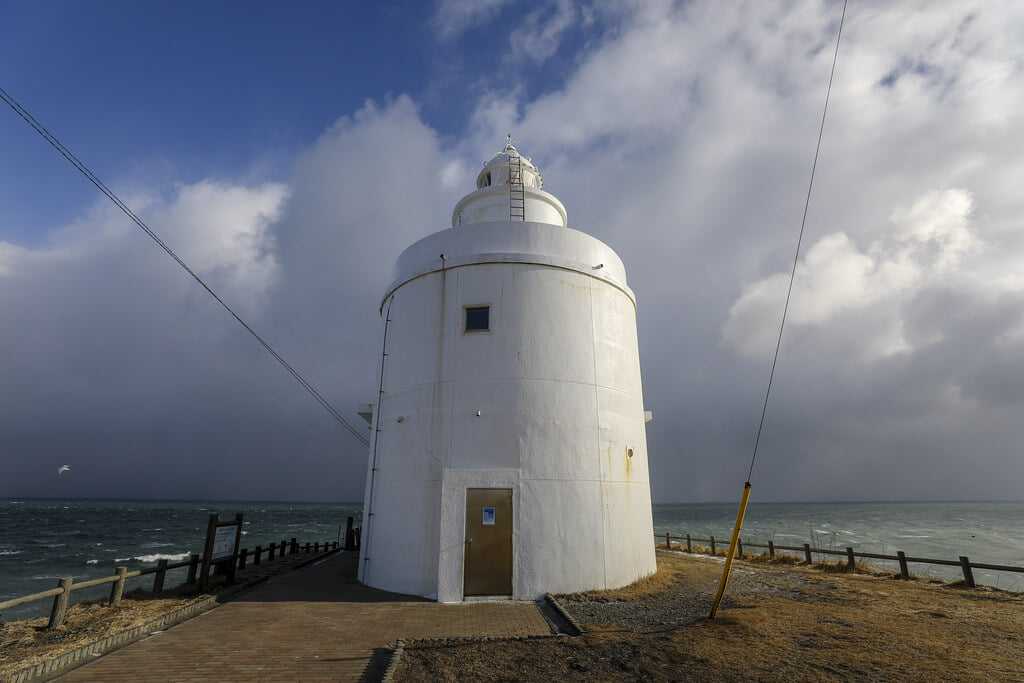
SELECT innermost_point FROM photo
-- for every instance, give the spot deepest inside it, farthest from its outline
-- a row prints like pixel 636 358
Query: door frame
pixel 451 551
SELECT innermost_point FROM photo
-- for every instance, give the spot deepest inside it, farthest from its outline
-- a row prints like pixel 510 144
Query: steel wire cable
pixel 84 170
pixel 799 241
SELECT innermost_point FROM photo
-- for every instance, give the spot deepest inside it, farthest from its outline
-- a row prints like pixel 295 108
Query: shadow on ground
pixel 329 579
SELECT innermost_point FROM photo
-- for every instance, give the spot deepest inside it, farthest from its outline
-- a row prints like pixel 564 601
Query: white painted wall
pixel 556 381
pixel 492 204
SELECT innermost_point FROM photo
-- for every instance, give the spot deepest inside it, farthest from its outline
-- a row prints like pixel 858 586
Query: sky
pixel 289 152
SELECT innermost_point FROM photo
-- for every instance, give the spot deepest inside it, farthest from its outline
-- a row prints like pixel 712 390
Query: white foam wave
pixel 10 552
pixel 154 558
pixel 92 561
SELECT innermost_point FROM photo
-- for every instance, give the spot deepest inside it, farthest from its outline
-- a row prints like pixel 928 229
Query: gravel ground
pixel 689 600
pixel 781 621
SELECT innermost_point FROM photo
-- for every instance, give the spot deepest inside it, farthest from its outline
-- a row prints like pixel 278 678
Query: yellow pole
pixel 732 549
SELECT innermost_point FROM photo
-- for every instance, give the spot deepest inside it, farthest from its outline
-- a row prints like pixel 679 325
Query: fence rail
pixel 62 593
pixel 963 562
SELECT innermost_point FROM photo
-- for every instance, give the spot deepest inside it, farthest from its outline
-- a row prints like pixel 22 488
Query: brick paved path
pixel 314 624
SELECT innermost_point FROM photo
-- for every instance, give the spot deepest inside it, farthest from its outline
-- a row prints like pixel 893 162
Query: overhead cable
pixel 799 241
pixel 84 170
pixel 724 581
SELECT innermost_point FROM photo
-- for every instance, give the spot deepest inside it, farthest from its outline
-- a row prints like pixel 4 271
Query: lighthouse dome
pixel 508 188
pixel 496 171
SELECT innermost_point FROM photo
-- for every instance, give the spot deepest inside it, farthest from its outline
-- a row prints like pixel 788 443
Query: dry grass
pixel 791 622
pixel 797 622
pixel 29 642
pixel 666 576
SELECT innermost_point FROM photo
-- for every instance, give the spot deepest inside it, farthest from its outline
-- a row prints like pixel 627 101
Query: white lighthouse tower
pixel 509 454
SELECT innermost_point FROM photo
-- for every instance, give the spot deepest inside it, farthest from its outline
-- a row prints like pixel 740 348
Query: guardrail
pixel 964 562
pixel 62 593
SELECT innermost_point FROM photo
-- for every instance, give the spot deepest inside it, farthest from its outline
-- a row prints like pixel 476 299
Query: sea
pixel 43 540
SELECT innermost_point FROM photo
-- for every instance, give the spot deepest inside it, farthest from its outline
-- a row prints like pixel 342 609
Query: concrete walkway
pixel 313 624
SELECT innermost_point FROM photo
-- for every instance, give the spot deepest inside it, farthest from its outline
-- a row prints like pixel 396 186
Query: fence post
pixel 713 551
pixel 241 558
pixel 349 540
pixel 849 558
pixel 668 541
pixel 230 561
pixel 282 548
pixel 294 548
pixel 902 557
pixel 771 550
pixel 204 573
pixel 60 602
pixel 807 553
pixel 158 580
pixel 270 553
pixel 256 555
pixel 117 588
pixel 968 574
pixel 193 566
pixel 739 548
pixel 308 546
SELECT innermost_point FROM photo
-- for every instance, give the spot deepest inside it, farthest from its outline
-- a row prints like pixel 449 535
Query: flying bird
pixel 63 468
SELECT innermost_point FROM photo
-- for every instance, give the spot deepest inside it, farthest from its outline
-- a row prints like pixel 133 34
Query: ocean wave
pixel 155 557
pixel 10 552
pixel 92 561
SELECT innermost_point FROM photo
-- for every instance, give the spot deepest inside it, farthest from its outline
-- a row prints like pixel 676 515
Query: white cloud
pixel 453 17
pixel 224 235
pixel 541 32
pixel 922 245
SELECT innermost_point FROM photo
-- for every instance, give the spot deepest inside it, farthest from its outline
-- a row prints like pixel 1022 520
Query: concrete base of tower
pixel 559 545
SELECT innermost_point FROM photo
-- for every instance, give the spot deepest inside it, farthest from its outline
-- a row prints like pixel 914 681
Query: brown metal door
pixel 488 559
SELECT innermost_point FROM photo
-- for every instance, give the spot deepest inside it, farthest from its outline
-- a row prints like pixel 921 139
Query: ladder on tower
pixel 516 190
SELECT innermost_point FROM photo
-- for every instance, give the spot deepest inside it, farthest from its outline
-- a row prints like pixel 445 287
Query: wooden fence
pixel 964 562
pixel 62 592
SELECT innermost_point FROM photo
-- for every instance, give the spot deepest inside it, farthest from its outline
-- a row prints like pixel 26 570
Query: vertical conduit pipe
pixel 376 435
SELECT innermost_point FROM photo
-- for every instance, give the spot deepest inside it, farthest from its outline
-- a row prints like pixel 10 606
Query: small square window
pixel 478 318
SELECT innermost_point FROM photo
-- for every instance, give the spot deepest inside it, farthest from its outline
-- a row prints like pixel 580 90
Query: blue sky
pixel 181 92
pixel 170 93
pixel 289 153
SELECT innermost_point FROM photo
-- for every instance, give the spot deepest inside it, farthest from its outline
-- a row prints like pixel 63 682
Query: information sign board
pixel 224 541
